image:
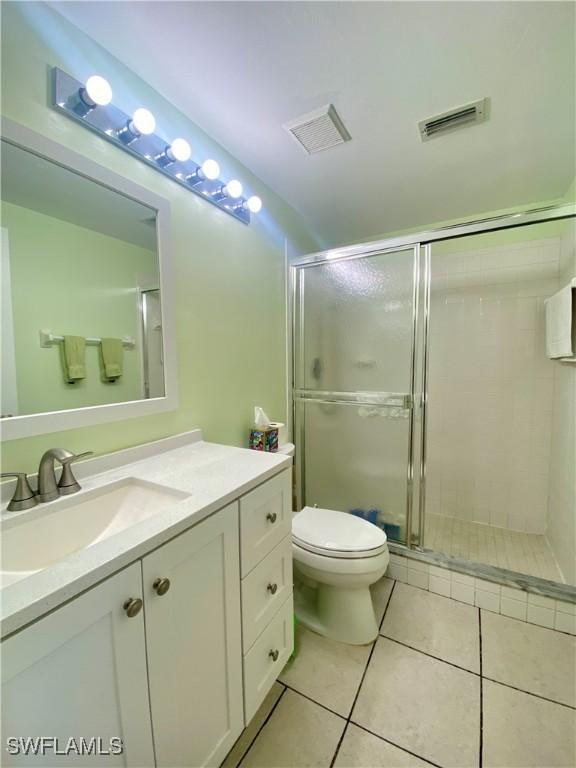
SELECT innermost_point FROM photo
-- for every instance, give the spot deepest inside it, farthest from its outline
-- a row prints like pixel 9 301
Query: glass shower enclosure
pixel 423 398
pixel 357 385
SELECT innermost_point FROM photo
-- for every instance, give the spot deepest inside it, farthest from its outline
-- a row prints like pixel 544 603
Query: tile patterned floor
pixel 522 552
pixel 445 684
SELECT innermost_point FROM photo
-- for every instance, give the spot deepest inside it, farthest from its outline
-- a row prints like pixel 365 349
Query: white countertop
pixel 213 475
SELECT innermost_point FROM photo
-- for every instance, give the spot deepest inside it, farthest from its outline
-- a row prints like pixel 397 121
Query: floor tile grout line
pixel 341 739
pixel 334 758
pixel 479 675
pixel 529 623
pixel 371 652
pixel 430 656
pixel 348 720
pixel 529 693
pixel 481 746
pixel 305 696
pixel 323 706
pixel 259 731
pixel 386 607
pixel 393 743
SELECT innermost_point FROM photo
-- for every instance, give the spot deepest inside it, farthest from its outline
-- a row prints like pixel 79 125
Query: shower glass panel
pixel 354 339
pixel 357 324
pixel 500 478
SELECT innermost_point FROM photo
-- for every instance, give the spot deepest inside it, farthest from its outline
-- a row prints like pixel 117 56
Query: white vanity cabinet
pixel 177 672
pixel 81 671
pixel 193 638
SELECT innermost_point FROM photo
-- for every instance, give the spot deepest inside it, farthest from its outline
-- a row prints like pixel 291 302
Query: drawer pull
pixel 133 606
pixel 274 655
pixel 161 586
pixel 272 588
pixel 271 517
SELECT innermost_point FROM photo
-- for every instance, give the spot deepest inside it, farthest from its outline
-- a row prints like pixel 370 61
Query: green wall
pixel 72 280
pixel 229 278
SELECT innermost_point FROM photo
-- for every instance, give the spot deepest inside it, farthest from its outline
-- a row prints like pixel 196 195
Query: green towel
pixel 74 349
pixel 112 358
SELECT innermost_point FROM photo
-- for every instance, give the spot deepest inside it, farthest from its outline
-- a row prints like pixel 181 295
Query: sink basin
pixel 49 533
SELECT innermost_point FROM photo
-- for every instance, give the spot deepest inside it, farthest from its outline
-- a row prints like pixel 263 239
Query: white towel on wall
pixel 559 322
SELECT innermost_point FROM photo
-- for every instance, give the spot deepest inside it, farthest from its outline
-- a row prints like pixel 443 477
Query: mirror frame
pixel 29 425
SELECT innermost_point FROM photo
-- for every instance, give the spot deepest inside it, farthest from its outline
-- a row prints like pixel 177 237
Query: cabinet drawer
pixel 265 519
pixel 265 589
pixel 260 668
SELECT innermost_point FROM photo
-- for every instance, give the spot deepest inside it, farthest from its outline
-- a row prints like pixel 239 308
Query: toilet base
pixel 346 615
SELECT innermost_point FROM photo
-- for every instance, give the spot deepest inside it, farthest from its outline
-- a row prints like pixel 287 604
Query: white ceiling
pixel 242 69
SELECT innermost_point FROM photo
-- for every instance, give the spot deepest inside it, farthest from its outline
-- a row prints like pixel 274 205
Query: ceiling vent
pixel 475 112
pixel 318 130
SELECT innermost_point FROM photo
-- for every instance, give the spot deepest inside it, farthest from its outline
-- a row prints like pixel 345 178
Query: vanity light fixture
pixel 90 103
pixel 208 171
pixel 142 123
pixel 178 151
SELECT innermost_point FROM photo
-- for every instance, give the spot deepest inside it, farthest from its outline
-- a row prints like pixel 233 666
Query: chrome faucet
pixel 48 488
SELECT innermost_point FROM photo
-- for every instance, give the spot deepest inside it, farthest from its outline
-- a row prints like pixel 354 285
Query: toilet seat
pixel 335 534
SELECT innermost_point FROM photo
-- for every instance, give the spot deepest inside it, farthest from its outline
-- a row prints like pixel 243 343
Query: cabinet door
pixel 194 643
pixel 81 672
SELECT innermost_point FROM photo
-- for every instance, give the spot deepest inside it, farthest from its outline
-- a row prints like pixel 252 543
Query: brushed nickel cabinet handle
pixel 271 516
pixel 272 588
pixel 274 654
pixel 161 586
pixel 133 606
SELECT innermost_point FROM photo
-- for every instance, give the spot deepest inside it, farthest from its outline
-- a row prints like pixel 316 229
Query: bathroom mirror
pixel 83 292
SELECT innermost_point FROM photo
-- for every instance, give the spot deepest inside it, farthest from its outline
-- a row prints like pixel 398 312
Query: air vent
pixel 475 112
pixel 319 130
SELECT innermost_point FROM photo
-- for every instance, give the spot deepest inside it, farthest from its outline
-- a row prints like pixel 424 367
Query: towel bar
pixel 48 339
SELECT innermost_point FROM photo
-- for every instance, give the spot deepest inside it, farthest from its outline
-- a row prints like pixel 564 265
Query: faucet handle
pixel 24 497
pixel 68 483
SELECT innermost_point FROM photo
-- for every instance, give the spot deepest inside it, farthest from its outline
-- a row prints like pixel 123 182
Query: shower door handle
pixel 403 400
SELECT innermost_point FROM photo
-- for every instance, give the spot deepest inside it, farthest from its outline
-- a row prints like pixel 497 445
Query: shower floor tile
pixel 527 553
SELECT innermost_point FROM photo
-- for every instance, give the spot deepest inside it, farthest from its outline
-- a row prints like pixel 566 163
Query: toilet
pixel 337 557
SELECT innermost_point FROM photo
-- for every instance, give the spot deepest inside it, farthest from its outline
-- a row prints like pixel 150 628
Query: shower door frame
pixel 405 400
pixel 421 243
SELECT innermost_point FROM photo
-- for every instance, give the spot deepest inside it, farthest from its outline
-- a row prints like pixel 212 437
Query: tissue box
pixel 264 439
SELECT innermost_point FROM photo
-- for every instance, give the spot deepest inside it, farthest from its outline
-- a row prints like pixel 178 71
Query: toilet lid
pixel 336 534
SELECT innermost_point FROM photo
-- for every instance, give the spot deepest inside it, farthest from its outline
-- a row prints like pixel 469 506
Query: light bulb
pixel 143 122
pixel 254 204
pixel 232 189
pixel 210 169
pixel 98 91
pixel 179 150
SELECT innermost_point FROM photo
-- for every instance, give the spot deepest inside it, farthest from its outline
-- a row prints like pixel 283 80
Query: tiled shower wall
pixel 491 384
